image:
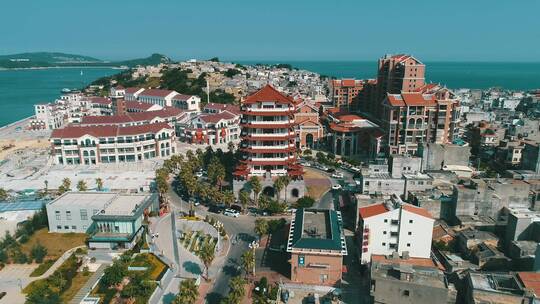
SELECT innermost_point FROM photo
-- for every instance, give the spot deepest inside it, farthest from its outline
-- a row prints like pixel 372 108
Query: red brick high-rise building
pixel 345 92
pixel 269 143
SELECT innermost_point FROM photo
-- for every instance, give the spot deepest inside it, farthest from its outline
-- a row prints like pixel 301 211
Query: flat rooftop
pixel 92 200
pixel 317 230
pixel 124 204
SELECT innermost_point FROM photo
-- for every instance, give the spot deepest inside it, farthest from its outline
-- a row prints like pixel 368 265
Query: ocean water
pixel 21 89
pixel 476 75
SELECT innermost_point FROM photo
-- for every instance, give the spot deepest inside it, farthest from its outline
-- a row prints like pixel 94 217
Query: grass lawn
pixel 56 243
pixel 155 265
pixel 76 284
pixel 42 268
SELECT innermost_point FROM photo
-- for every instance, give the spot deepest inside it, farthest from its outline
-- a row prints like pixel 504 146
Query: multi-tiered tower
pixel 269 143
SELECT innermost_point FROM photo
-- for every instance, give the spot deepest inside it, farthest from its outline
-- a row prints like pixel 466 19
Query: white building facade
pixel 394 226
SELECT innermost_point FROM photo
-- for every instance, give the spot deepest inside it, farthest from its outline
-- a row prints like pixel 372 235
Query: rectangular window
pixel 84 215
pixel 74 227
pixel 409 233
pixel 384 232
pixel 59 227
pixel 384 244
pixel 410 221
pixel 66 227
pixel 408 244
pixel 57 215
pixel 68 215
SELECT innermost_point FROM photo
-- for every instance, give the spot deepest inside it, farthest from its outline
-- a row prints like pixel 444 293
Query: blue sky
pixel 458 30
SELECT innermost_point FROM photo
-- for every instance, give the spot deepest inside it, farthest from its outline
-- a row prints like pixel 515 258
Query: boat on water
pixel 66 90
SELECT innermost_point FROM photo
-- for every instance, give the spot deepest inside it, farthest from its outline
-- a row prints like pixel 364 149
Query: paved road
pixel 239 229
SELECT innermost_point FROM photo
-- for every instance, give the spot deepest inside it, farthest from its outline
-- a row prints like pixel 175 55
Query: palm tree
pixel 243 197
pixel 81 186
pixel 46 182
pixel 278 185
pixel 66 185
pixel 256 187
pixel 207 254
pixel 99 184
pixel 188 292
pixel 248 262
pixel 237 291
pixel 261 227
pixel 286 181
pixel 228 198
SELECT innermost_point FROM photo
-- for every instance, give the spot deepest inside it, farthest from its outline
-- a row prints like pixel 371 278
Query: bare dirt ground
pixel 316 182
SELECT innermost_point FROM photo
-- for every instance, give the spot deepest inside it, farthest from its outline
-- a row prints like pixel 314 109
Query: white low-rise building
pixel 91 145
pixel 394 226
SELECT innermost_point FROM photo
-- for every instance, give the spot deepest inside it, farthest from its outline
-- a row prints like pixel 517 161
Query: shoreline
pixel 66 67
pixel 17 122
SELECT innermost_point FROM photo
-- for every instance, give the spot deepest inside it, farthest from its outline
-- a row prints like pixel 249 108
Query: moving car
pixel 231 212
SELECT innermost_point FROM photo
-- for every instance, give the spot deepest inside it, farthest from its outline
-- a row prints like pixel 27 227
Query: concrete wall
pixel 393 292
pixel 401 164
pixel 373 184
pixel 314 275
pixel 434 156
pixel 76 222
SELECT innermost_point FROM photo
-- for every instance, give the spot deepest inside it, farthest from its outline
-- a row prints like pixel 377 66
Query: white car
pixel 199 174
pixel 231 212
pixel 336 187
pixel 337 175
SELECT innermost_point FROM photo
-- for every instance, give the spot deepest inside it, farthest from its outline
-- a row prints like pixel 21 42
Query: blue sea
pixel 20 89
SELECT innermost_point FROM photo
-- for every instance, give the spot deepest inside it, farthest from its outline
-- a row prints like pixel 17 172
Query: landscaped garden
pixel 132 278
pixel 194 240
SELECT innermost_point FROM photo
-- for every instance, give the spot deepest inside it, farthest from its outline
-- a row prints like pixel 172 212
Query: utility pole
pixel 207 91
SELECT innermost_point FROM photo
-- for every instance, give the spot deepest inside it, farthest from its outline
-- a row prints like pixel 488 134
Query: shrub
pixel 305 202
pixel 38 252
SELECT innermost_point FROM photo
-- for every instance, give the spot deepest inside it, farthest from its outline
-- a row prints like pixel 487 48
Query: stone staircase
pixel 87 288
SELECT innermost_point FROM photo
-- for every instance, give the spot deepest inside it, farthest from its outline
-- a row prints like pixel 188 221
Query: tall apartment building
pixel 394 226
pixel 269 143
pixel 413 118
pixel 345 91
pixel 92 145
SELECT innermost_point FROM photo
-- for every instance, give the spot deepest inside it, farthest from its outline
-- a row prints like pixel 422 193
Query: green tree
pixel 65 186
pixel 42 293
pixel 216 171
pixel 188 292
pixel 243 197
pixel 228 198
pixel 38 252
pixel 81 186
pixel 305 202
pixel 286 181
pixel 256 187
pixel 207 254
pixel 237 289
pixel 114 274
pixel 99 184
pixel 3 194
pixel 231 147
pixel 248 262
pixel 261 227
pixel 278 186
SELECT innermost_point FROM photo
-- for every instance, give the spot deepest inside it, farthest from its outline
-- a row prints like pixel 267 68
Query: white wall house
pixel 394 226
pixel 186 102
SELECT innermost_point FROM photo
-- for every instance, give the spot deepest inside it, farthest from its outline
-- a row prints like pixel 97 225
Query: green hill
pixel 48 59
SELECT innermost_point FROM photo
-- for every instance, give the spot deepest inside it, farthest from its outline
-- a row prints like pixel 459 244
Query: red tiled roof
pixel 131 117
pixel 156 92
pixel 107 131
pixel 372 210
pixel 214 118
pixel 132 90
pixel 531 280
pixel 417 210
pixel 268 93
pixel 235 109
pixel 427 87
pixel 181 97
pixel 349 117
pixel 423 262
pixel 132 104
pixel 411 99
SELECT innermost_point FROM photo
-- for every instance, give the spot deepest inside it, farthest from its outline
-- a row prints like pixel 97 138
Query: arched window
pixel 92 153
pixel 85 153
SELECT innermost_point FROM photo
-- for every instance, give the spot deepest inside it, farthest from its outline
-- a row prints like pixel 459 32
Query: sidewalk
pixel 87 288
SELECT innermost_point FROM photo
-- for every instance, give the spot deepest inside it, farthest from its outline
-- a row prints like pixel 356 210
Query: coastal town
pixel 204 181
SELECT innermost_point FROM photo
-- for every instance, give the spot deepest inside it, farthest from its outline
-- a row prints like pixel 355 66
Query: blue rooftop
pixel 22 205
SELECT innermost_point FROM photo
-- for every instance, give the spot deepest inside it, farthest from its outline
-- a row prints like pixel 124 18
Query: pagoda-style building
pixel 268 144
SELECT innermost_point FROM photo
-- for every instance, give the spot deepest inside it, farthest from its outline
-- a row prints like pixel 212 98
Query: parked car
pixel 215 209
pixel 336 187
pixel 337 175
pixel 198 174
pixel 231 212
pixel 236 208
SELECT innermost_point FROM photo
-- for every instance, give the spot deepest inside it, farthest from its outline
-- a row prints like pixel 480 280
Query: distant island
pixel 51 59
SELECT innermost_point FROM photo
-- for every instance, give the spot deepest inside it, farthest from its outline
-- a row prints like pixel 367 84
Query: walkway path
pixel 87 287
